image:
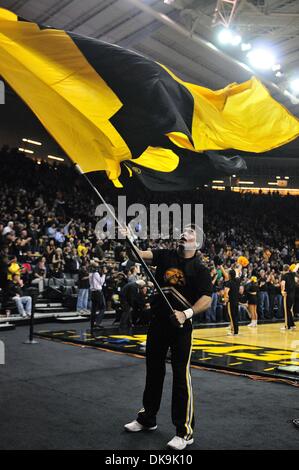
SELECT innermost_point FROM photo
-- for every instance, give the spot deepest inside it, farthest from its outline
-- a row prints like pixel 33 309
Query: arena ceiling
pixel 179 34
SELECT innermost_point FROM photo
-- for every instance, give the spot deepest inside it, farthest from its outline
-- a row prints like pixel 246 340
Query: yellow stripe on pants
pixel 189 413
pixel 285 310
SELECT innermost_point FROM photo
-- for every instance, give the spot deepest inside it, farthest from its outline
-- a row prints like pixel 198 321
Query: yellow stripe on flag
pixel 7 15
pixel 240 116
pixel 49 72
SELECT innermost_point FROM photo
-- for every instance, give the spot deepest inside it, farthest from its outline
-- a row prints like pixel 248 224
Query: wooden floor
pixel 269 335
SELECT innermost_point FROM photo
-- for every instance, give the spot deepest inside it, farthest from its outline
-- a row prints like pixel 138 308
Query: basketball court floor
pixel 265 351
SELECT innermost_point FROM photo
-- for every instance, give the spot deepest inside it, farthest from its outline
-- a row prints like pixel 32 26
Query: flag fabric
pixel 193 171
pixel 104 104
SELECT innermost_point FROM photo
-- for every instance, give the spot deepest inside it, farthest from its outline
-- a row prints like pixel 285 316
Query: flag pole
pixel 131 244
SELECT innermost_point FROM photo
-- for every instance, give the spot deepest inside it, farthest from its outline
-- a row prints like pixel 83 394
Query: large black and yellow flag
pixel 104 104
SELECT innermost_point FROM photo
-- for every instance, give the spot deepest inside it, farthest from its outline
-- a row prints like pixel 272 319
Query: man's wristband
pixel 188 313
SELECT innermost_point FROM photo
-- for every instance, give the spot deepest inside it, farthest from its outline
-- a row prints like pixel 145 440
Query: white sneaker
pixel 293 328
pixel 178 443
pixel 250 324
pixel 134 426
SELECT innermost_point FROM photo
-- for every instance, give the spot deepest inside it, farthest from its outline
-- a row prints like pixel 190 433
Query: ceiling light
pixel 272 183
pixel 276 67
pixel 225 36
pixel 25 150
pixel 286 177
pixel 279 74
pixel 261 59
pixel 218 181
pixel 245 46
pixel 246 182
pixel 31 141
pixel 278 177
pixel 56 158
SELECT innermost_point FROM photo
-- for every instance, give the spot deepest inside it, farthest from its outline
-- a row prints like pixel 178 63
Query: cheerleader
pixel 252 291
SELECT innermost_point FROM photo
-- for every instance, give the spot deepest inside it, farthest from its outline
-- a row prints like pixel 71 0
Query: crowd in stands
pixel 47 234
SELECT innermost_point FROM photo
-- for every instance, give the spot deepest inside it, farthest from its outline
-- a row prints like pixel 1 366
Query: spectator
pixel 13 268
pixel 58 263
pixel 263 297
pixel 83 292
pixel 72 261
pixel 133 274
pixel 8 229
pixel 82 249
pixel 129 299
pixel 15 292
pixel 97 280
pixel 51 231
pixel 98 251
pixel 40 275
pixel 50 250
pixel 59 237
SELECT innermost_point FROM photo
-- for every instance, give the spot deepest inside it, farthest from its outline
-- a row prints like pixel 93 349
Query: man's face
pixel 187 239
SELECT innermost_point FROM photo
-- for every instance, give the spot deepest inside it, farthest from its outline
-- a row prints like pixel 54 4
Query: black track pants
pixel 161 337
pixel 233 313
pixel 288 306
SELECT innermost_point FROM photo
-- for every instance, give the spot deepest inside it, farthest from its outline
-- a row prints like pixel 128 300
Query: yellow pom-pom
pixel 243 261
